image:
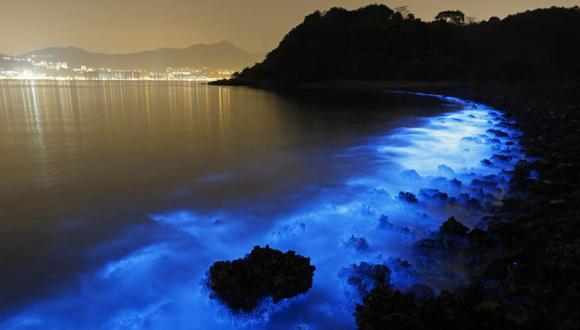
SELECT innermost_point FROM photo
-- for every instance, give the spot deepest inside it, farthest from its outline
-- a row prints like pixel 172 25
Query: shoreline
pixel 533 280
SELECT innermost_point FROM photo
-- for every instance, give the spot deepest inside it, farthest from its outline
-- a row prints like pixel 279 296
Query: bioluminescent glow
pixel 161 286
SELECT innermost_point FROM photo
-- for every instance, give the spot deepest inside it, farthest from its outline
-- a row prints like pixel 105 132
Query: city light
pixel 33 68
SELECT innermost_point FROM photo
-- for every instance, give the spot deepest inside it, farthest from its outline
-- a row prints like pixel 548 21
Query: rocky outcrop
pixel 242 284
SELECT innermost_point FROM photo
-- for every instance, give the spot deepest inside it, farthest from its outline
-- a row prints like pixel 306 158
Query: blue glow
pixel 160 286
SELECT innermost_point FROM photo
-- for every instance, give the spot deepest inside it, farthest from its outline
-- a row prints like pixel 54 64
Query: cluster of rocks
pixel 525 267
pixel 243 284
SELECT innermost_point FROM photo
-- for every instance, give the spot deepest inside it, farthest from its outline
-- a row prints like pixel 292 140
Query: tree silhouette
pixel 456 17
pixel 377 42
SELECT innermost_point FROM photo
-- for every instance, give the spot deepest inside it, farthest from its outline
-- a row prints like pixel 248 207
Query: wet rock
pixel 384 308
pixel 358 244
pixel 487 184
pixel 242 284
pixel 480 239
pixel 453 228
pixel 501 158
pixel 384 223
pixel 456 182
pixel 365 277
pixel 433 194
pixel 408 197
pixel 468 200
pixel 497 270
pixel 486 162
pixel 445 171
pixel 498 133
pixel 421 292
pixel 410 175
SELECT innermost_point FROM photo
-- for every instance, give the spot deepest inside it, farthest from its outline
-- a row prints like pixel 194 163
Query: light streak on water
pixel 160 286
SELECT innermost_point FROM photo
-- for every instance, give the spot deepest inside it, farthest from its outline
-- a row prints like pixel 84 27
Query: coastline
pixel 533 279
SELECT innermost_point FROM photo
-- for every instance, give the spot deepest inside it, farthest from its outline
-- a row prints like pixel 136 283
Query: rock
pixel 358 244
pixel 486 162
pixel 487 184
pixel 410 175
pixel 480 239
pixel 408 197
pixel 433 194
pixel 497 270
pixel 456 182
pixel 501 158
pixel 445 171
pixel 242 284
pixel 365 277
pixel 384 223
pixel 421 292
pixel 497 132
pixel 453 228
pixel 384 308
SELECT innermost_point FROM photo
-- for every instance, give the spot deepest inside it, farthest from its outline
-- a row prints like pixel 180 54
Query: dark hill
pixel 376 42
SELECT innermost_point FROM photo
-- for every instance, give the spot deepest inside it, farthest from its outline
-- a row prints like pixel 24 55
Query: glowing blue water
pixel 160 286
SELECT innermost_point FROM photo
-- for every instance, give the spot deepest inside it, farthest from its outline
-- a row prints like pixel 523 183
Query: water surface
pixel 117 197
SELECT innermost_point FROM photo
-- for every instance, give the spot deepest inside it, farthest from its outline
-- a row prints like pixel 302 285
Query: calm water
pixel 115 198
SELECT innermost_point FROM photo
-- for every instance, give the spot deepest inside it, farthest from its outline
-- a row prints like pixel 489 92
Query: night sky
pixel 120 26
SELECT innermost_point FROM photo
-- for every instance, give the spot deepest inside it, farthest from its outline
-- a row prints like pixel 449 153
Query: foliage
pixel 376 42
pixel 451 16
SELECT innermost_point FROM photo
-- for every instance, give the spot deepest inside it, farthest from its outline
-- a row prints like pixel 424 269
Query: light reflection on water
pixel 160 285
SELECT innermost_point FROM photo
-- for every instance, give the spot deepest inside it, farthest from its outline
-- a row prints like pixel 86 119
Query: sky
pixel 123 26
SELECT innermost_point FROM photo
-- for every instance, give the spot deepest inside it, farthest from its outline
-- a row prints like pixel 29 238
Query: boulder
pixel 242 284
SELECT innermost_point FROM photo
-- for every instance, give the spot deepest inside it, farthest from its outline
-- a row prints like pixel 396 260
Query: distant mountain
pixel 223 55
pixel 376 42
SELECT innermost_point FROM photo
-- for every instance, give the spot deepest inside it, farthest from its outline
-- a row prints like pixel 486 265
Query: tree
pixel 404 11
pixel 456 17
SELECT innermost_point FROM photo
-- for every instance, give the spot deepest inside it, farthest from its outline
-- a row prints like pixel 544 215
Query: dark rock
pixel 421 292
pixel 408 197
pixel 365 277
pixel 501 158
pixel 452 227
pixel 497 132
pixel 242 284
pixel 456 182
pixel 486 162
pixel 384 223
pixel 487 184
pixel 358 244
pixel 480 239
pixel 384 308
pixel 497 270
pixel 433 194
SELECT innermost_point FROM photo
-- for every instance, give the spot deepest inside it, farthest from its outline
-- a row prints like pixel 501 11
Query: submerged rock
pixel 384 223
pixel 433 194
pixel 410 175
pixel 408 197
pixel 445 171
pixel 497 132
pixel 358 244
pixel 242 284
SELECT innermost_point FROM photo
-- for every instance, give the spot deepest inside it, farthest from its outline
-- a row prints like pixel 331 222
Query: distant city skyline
pixel 112 26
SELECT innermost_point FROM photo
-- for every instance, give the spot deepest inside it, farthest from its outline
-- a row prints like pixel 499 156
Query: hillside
pixel 376 42
pixel 223 55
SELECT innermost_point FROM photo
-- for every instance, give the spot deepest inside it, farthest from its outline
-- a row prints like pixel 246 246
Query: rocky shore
pixel 525 265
